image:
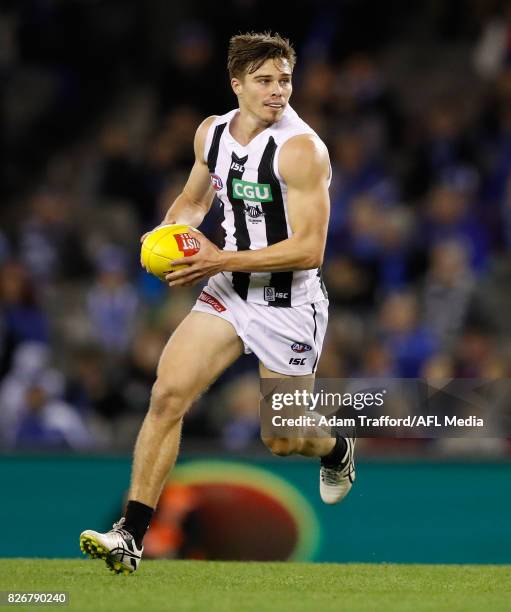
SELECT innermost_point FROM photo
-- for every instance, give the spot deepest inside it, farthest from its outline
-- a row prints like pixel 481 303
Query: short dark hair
pixel 248 52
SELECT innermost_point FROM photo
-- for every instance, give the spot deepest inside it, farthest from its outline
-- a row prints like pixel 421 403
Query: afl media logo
pixel 216 181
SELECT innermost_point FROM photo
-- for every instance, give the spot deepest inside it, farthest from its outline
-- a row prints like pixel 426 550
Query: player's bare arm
pixel 304 166
pixel 192 204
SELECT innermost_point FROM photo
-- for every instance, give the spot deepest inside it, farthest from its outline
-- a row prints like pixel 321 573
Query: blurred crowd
pixel 99 103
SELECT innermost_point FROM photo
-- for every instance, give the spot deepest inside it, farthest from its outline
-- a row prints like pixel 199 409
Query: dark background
pixel 99 102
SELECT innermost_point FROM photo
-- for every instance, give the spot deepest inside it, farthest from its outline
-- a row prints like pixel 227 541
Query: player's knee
pixel 168 401
pixel 280 446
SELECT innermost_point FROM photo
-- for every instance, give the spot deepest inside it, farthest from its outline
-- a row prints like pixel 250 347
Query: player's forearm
pixel 186 211
pixel 289 255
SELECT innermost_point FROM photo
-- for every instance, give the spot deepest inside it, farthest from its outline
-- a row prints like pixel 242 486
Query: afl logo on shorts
pixel 217 182
pixel 298 347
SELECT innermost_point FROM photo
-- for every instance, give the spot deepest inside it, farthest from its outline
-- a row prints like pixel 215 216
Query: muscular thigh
pixel 199 350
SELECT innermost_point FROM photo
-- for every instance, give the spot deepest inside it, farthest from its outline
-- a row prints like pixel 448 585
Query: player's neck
pixel 245 126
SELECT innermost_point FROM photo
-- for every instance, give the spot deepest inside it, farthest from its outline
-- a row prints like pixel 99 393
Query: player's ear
pixel 236 85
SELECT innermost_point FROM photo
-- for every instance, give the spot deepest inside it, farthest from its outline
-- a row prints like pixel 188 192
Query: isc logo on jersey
pixel 271 294
pixel 252 192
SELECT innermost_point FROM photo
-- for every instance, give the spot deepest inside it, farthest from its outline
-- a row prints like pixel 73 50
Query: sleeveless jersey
pixel 253 198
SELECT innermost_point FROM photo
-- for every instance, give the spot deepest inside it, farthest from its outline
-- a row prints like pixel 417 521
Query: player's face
pixel 265 92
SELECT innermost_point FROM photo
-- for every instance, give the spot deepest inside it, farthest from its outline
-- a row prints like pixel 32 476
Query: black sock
pixel 137 519
pixel 336 455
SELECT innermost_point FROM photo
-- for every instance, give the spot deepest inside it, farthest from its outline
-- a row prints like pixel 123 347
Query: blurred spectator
pixel 342 344
pixel 491 301
pixel 400 261
pixel 493 49
pixel 315 96
pixel 31 362
pixel 403 334
pixel 241 401
pixel 450 215
pixel 119 176
pixel 191 62
pixel 50 245
pixel 112 302
pixel 22 317
pixel 4 248
pixel 361 94
pixel 332 363
pixel 449 281
pixel 148 345
pixel 443 148
pixel 94 387
pixel 356 171
pixel 438 367
pixel 476 356
pixel 351 283
pixel 377 362
pixel 47 423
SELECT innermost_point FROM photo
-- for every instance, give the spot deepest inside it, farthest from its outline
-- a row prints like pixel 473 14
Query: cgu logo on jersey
pixel 252 192
pixel 299 347
pixel 217 182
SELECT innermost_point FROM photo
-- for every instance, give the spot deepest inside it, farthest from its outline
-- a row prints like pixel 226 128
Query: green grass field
pixel 218 586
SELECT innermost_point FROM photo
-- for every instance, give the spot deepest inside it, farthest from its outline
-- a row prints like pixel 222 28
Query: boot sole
pixel 89 545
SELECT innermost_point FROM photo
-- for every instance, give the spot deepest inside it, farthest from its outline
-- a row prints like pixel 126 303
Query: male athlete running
pixel 270 172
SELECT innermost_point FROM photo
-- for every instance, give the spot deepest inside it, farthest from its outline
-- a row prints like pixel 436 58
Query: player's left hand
pixel 205 263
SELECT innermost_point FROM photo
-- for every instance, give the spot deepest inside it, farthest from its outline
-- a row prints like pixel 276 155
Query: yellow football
pixel 165 244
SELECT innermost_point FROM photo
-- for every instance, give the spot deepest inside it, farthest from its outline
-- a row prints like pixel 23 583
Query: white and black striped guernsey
pixel 253 197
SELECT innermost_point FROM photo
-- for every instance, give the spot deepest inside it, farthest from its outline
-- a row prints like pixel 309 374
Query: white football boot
pixel 335 482
pixel 116 547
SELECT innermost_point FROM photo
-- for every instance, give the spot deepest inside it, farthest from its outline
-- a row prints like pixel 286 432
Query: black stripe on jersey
pixel 215 145
pixel 212 159
pixel 275 221
pixel 222 236
pixel 240 280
